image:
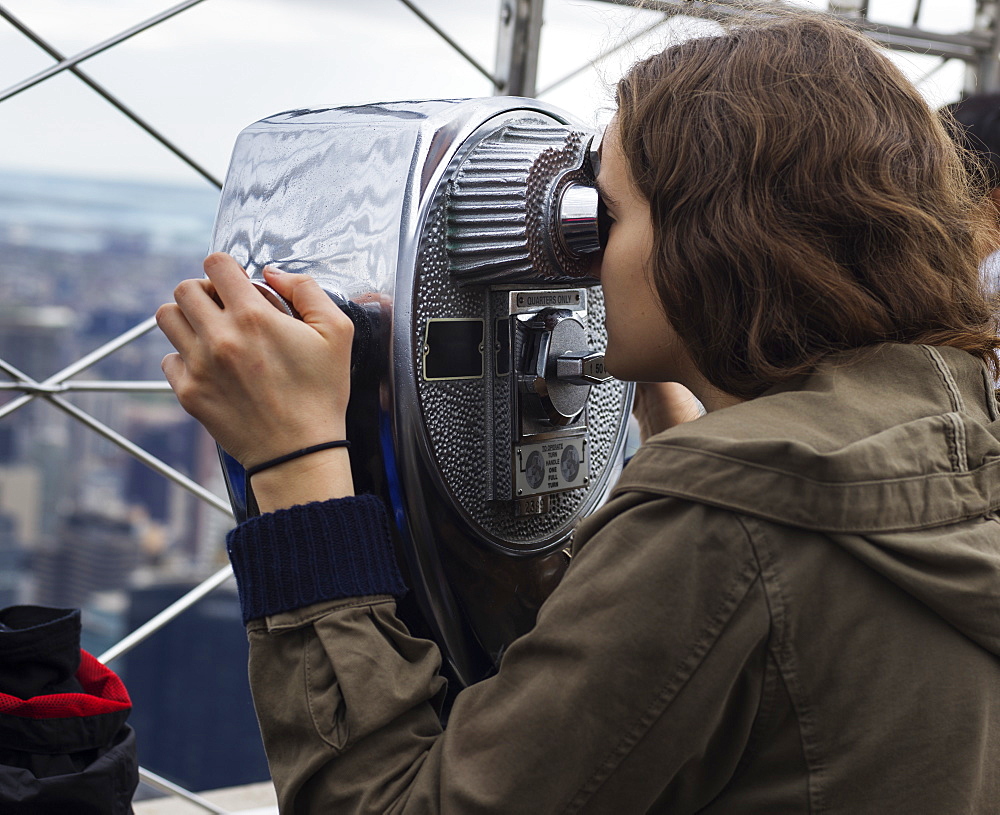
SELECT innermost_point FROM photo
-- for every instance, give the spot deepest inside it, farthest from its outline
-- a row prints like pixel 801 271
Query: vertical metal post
pixel 984 76
pixel 518 39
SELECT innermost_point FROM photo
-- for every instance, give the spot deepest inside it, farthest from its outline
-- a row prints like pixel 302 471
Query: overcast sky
pixel 208 72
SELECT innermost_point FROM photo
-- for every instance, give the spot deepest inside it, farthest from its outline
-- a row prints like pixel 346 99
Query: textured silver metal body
pixel 358 199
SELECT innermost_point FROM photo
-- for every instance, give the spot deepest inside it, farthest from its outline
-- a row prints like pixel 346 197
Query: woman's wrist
pixel 319 476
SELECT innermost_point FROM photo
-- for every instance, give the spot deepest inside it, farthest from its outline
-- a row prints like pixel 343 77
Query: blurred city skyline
pixel 203 75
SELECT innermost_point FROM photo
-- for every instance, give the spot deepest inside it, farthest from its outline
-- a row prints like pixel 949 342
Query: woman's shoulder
pixel 855 446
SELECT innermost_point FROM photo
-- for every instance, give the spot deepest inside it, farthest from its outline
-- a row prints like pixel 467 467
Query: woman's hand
pixel 662 405
pixel 261 382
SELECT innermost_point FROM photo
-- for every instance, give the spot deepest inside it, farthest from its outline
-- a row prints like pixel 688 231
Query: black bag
pixel 64 743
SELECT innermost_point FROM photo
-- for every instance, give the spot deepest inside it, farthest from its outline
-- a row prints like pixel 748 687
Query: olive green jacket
pixel 791 605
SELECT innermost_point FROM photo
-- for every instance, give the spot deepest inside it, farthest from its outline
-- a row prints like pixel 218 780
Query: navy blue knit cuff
pixel 326 550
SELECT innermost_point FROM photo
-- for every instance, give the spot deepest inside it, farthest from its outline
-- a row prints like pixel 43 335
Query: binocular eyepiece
pixel 522 208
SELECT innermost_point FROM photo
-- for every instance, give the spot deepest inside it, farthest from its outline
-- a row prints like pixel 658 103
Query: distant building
pixel 172 440
pixel 37 339
pixel 21 499
pixel 92 553
pixel 192 710
pixel 11 562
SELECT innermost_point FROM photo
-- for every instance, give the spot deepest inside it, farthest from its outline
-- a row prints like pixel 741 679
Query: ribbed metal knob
pixel 503 208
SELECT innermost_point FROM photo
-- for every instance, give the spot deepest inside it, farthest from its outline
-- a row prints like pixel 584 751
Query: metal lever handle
pixel 582 368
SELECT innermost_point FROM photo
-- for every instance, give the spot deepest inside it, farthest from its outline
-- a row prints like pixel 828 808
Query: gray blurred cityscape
pixel 82 523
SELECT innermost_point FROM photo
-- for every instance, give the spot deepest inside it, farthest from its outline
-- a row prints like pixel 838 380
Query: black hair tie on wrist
pixel 305 451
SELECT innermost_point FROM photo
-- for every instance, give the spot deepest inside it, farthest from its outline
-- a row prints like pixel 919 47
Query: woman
pixel 788 605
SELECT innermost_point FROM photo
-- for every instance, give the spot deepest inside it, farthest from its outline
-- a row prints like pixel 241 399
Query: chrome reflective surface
pixel 578 219
pixel 322 192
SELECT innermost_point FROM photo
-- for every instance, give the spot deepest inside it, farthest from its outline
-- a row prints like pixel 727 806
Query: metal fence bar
pixel 444 36
pixel 22 379
pixel 137 452
pixel 161 783
pixel 913 45
pixel 519 35
pixel 66 64
pixel 88 385
pixel 969 46
pixel 108 97
pixel 103 351
pixel 175 609
pixel 601 57
pixel 26 382
pixel 81 364
pixel 10 407
pixel 985 76
pixel 970 40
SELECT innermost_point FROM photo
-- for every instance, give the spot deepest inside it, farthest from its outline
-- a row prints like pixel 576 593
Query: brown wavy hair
pixel 805 201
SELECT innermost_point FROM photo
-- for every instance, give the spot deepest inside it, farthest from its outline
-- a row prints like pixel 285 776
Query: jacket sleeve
pixel 637 687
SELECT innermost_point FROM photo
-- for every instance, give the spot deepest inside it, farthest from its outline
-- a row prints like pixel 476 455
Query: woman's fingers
pixel 198 302
pixel 173 368
pixel 312 303
pixel 260 382
pixel 176 328
pixel 230 281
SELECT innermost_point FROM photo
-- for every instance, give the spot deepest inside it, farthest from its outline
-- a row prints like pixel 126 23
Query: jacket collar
pixel 890 438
